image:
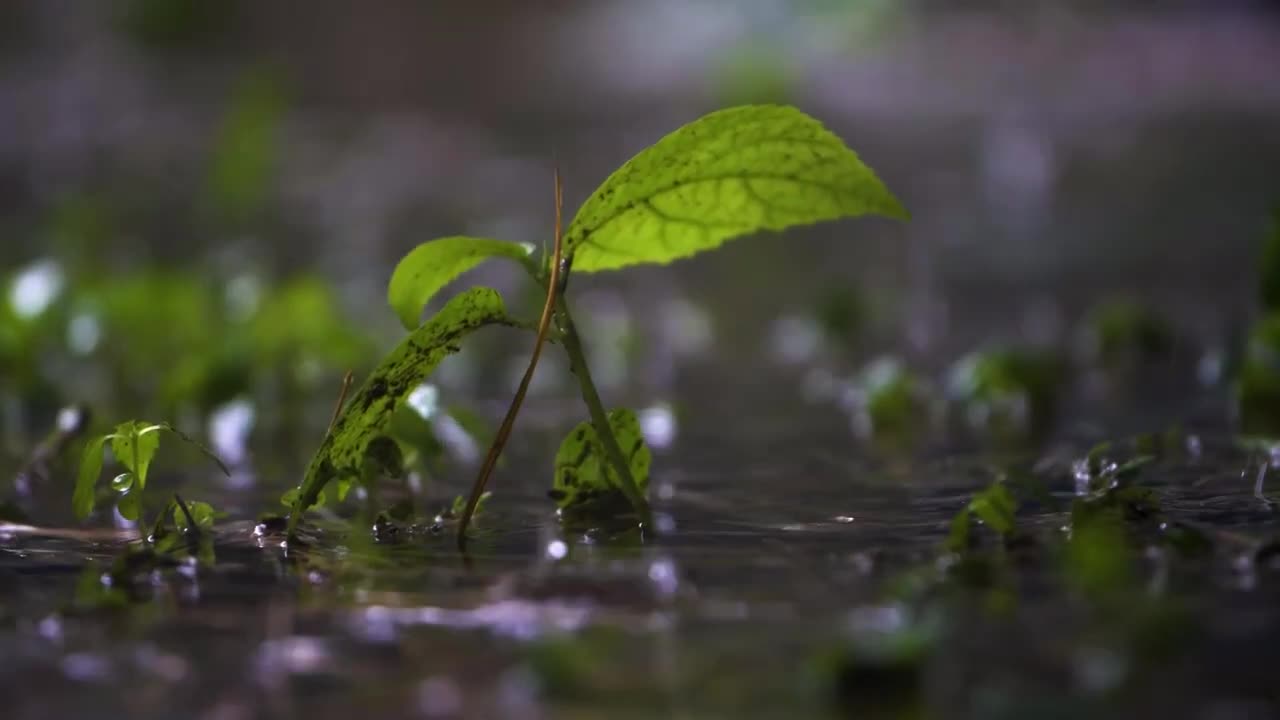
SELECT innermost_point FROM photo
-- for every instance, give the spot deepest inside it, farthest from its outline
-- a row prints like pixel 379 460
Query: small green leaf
pixel 460 505
pixel 582 470
pixel 82 501
pixel 432 265
pixel 130 505
pixel 201 512
pixel 996 507
pixel 134 444
pixel 342 453
pixel 958 536
pixel 290 497
pixel 730 173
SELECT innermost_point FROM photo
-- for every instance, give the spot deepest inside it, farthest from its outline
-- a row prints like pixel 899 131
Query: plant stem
pixel 554 286
pixel 599 418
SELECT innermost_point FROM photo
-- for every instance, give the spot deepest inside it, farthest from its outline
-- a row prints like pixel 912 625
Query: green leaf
pixel 130 505
pixel 342 453
pixel 996 507
pixel 82 501
pixel 582 470
pixel 959 534
pixel 432 265
pixel 731 173
pixel 201 512
pixel 134 444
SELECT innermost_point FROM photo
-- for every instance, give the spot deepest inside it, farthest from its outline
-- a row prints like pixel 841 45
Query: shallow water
pixel 778 541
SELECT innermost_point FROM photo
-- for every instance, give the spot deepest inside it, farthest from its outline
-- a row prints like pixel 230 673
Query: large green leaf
pixel 582 470
pixel 365 417
pixel 432 265
pixel 85 496
pixel 732 172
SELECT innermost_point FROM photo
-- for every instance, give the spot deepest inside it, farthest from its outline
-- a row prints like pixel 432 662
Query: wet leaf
pixel 432 265
pixel 84 498
pixel 730 173
pixel 201 512
pixel 365 417
pixel 1099 558
pixel 996 507
pixel 582 470
pixel 958 538
pixel 134 445
pixel 130 505
pixel 122 482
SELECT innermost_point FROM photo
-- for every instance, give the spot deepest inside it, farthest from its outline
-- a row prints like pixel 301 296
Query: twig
pixel 544 324
pixel 342 398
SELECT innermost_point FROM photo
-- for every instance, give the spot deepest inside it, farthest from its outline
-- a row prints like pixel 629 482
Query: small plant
pixel 134 445
pixel 731 173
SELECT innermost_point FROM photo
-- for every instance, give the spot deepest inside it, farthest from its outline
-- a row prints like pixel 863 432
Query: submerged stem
pixel 599 418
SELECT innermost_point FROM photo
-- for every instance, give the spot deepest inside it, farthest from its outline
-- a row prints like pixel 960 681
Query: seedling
pixel 731 173
pixel 134 445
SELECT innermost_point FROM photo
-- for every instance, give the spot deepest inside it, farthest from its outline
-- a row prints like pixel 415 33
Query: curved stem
pixel 599 418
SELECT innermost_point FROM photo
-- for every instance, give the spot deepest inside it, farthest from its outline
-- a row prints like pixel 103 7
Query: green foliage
pixel 432 265
pixel 342 456
pixel 85 496
pixel 1126 330
pixel 1258 386
pixel 1008 390
pixel 202 514
pixel 730 173
pixel 894 403
pixel 300 322
pixel 173 24
pixel 583 473
pixel 1099 560
pixel 995 507
pixel 246 147
pixel 134 445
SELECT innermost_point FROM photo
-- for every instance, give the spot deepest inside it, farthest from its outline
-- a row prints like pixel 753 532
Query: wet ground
pixel 793 570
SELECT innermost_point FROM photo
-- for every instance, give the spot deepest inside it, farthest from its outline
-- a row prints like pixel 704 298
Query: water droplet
pixel 229 428
pixel 35 288
pixel 658 425
pixel 796 339
pixel 86 667
pixel 557 550
pixel 424 400
pixel 84 332
pixel 662 573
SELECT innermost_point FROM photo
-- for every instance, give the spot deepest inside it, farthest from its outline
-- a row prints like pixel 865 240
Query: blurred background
pixel 201 202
